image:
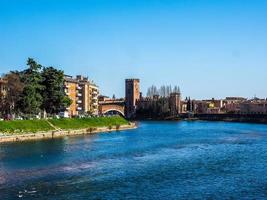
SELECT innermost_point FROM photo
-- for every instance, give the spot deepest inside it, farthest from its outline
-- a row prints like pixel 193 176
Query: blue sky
pixel 209 48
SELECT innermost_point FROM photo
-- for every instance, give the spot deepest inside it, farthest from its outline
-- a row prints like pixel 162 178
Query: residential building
pixel 84 95
pixel 232 104
pixel 93 95
pixel 254 106
pixel 211 106
pixel 70 87
pixel 234 99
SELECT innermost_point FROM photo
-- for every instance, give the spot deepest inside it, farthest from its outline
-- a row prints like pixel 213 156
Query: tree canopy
pixel 31 98
pixel 35 89
pixel 54 99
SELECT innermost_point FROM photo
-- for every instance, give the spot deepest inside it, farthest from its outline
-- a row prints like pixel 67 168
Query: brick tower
pixel 175 103
pixel 132 94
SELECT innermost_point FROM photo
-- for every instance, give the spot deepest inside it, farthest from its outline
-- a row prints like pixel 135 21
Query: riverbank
pixel 242 118
pixel 60 133
pixel 13 131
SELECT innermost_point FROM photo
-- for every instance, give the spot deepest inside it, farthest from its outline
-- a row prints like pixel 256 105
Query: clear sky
pixel 210 48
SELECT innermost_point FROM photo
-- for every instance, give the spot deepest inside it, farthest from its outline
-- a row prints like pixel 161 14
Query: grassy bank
pixel 88 122
pixel 33 126
pixel 18 126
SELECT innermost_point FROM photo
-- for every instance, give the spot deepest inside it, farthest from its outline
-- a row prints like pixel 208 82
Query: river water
pixel 159 160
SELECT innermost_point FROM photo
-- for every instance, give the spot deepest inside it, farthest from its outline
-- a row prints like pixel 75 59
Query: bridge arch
pixel 117 106
pixel 115 110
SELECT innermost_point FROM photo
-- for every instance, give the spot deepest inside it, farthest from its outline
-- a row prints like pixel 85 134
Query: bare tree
pixel 8 103
pixel 152 91
pixel 163 91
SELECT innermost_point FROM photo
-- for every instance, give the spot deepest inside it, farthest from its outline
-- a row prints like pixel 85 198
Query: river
pixel 158 160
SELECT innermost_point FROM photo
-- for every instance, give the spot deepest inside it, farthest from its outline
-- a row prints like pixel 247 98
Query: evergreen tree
pixel 54 99
pixel 31 99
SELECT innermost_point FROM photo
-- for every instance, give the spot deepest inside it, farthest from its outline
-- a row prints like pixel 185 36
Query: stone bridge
pixel 111 106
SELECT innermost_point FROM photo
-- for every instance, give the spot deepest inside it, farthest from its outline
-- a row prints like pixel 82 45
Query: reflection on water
pixel 159 160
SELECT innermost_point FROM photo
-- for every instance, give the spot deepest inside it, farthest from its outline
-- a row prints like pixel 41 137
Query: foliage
pixel 35 89
pixel 54 99
pixel 31 99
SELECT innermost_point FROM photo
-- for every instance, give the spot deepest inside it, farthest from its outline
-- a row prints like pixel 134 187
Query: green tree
pixel 54 98
pixel 31 98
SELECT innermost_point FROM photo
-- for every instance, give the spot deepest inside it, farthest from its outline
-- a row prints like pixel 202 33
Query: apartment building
pixel 71 87
pixel 84 95
pixel 94 93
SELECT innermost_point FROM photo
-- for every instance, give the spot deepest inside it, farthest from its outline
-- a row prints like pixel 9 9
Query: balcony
pixel 79 101
pixel 79 94
pixel 79 108
pixel 79 87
